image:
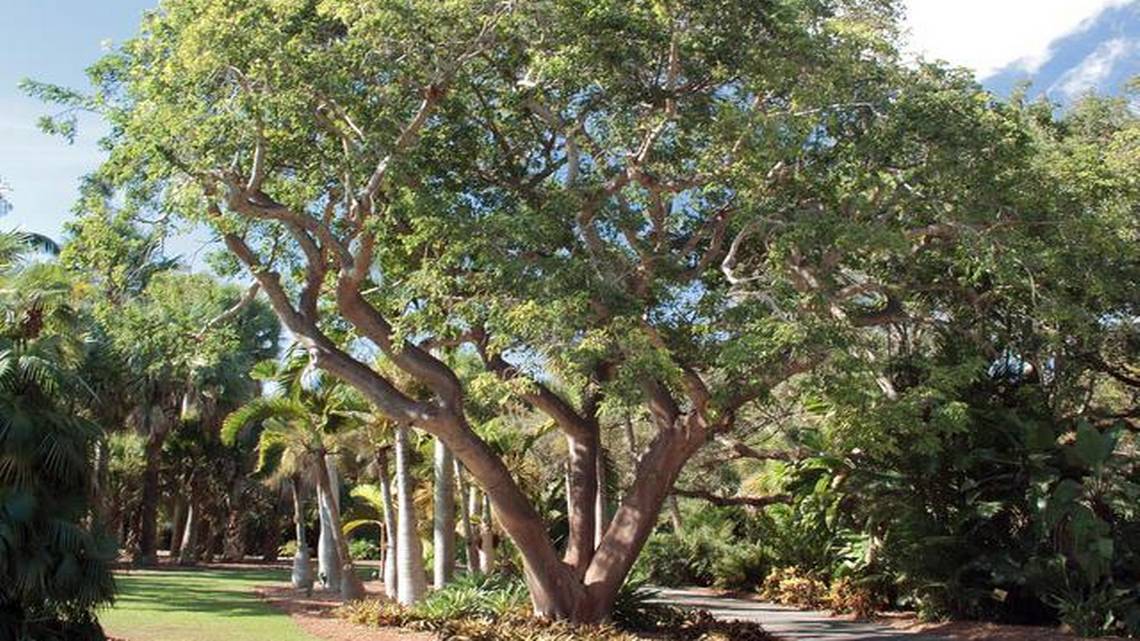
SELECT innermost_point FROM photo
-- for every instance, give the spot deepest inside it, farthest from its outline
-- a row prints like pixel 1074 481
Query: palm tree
pixel 299 425
pixel 411 579
pixel 443 523
pixel 56 566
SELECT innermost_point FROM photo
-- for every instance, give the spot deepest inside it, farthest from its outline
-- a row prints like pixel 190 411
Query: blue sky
pixel 1067 46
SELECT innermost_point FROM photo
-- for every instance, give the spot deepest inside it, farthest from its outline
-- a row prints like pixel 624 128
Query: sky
pixel 1065 47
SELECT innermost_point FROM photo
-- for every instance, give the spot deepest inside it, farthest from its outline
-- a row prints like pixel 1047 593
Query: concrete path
pixel 789 623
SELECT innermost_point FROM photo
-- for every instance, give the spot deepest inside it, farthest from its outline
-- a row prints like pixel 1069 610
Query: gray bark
pixel 391 549
pixel 443 525
pixel 487 546
pixel 472 546
pixel 302 575
pixel 410 576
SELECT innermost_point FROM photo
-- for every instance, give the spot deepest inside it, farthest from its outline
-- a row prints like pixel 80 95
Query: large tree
pixel 672 205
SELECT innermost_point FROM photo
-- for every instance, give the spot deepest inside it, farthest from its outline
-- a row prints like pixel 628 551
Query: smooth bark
pixel 581 495
pixel 328 564
pixel 443 523
pixel 391 549
pixel 350 585
pixel 178 526
pixel 411 579
pixel 302 575
pixel 487 539
pixel 471 545
pixel 189 552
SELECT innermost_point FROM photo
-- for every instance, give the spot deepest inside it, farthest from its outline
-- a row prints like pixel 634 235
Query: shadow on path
pixel 790 623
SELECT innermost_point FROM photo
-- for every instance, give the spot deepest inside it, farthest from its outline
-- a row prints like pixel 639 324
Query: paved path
pixel 789 623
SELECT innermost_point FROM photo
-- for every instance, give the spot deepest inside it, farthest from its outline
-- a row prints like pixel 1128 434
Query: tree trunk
pixel 581 495
pixel 328 563
pixel 637 516
pixel 675 516
pixel 487 544
pixel 178 526
pixel 350 586
pixel 411 579
pixel 443 523
pixel 390 545
pixel 472 546
pixel 233 543
pixel 188 550
pixel 148 509
pixel 302 575
pixel 601 502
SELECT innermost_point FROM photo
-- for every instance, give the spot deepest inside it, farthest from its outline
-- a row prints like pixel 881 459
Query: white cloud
pixel 1094 69
pixel 987 35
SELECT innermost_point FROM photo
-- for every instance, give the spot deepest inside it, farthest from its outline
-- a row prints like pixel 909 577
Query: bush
pixel 850 596
pixel 741 567
pixel 636 608
pixel 710 554
pixel 790 586
pixel 495 608
pixel 475 596
pixel 364 549
pixel 287 550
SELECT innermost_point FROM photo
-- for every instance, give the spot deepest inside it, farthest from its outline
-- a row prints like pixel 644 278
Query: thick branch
pixel 727 501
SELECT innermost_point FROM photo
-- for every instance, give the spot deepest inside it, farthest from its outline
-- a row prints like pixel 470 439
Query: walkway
pixel 789 623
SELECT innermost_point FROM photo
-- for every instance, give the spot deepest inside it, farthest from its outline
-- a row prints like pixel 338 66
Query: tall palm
pixel 376 436
pixel 443 522
pixel 298 424
pixel 411 579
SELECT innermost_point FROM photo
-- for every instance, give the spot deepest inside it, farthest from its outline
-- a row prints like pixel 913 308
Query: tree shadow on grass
pixel 217 593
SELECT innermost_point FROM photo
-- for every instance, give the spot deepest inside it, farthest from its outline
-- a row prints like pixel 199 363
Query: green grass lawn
pixel 198 605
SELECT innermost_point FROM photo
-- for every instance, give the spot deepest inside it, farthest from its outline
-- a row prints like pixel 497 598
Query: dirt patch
pixel 314 614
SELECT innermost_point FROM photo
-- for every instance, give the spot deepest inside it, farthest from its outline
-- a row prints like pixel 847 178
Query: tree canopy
pixel 677 208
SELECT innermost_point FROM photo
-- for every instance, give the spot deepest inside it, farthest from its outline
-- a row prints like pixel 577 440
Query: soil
pixel 313 613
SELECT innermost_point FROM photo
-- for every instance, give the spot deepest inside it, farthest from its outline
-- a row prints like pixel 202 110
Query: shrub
pixel 741 567
pixel 636 608
pixel 364 549
pixel 475 596
pixel 287 549
pixel 789 586
pixel 850 596
pixel 495 609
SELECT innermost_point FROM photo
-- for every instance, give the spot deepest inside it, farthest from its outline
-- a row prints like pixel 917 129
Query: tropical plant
pixel 55 558
pixel 296 429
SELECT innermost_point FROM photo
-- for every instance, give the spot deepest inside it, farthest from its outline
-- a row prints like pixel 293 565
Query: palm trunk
pixel 487 545
pixel 328 562
pixel 443 523
pixel 178 526
pixel 188 553
pixel 472 546
pixel 351 587
pixel 411 579
pixel 390 545
pixel 302 575
pixel 147 553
